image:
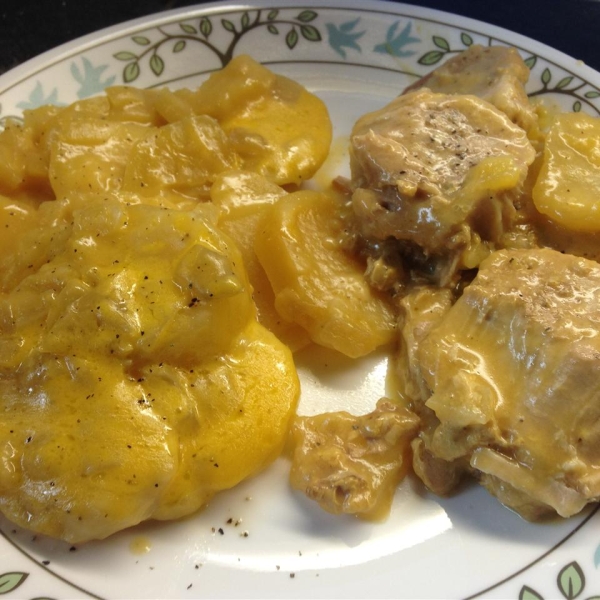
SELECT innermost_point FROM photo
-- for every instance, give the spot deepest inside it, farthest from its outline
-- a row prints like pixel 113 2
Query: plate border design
pixel 570 82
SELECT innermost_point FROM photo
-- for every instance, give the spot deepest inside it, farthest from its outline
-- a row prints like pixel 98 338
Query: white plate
pixel 355 57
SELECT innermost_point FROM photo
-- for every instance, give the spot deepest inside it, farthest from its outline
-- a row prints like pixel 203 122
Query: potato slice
pixel 278 128
pixel 182 157
pixel 317 284
pixel 568 186
pixel 136 381
pixel 24 155
pixel 243 198
pixel 241 407
pixel 89 154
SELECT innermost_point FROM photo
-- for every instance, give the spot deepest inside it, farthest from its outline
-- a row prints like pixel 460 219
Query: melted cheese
pixel 135 379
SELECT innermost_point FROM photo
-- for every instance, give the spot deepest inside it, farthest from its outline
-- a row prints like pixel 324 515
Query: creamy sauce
pixel 140 545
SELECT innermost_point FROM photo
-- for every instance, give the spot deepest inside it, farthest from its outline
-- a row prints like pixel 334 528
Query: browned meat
pixel 421 309
pixel 514 374
pixel 439 475
pixel 439 173
pixel 495 73
pixel 352 464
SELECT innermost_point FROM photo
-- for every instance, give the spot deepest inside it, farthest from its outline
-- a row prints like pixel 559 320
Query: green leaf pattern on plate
pixel 443 49
pixel 297 26
pixel 527 593
pixel 342 36
pixel 219 35
pixel 580 91
pixel 570 582
pixel 11 581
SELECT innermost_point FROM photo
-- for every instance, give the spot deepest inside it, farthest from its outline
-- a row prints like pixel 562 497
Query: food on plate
pixel 317 283
pixel 439 173
pixel 513 371
pixel 161 261
pixel 135 379
pixel 352 464
pixel 568 185
pixel 476 218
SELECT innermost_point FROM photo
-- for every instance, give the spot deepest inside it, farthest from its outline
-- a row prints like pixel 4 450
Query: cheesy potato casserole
pixel 135 378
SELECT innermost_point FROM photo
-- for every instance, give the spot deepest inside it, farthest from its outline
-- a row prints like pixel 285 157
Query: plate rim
pixel 52 56
pixel 47 59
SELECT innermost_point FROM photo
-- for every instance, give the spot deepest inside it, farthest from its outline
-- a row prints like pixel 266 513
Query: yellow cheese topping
pixel 135 378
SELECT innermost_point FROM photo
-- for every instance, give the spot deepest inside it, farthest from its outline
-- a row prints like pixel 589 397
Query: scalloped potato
pixel 135 379
pixel 318 284
pixel 568 185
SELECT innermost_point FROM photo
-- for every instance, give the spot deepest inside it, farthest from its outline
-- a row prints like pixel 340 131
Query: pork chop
pixel 494 73
pixel 439 173
pixel 514 373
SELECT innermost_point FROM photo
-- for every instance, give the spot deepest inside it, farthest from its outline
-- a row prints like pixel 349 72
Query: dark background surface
pixel 29 27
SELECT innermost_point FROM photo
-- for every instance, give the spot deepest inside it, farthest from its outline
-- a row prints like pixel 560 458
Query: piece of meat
pixel 420 310
pixel 352 464
pixel 494 73
pixel 439 173
pixel 514 374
